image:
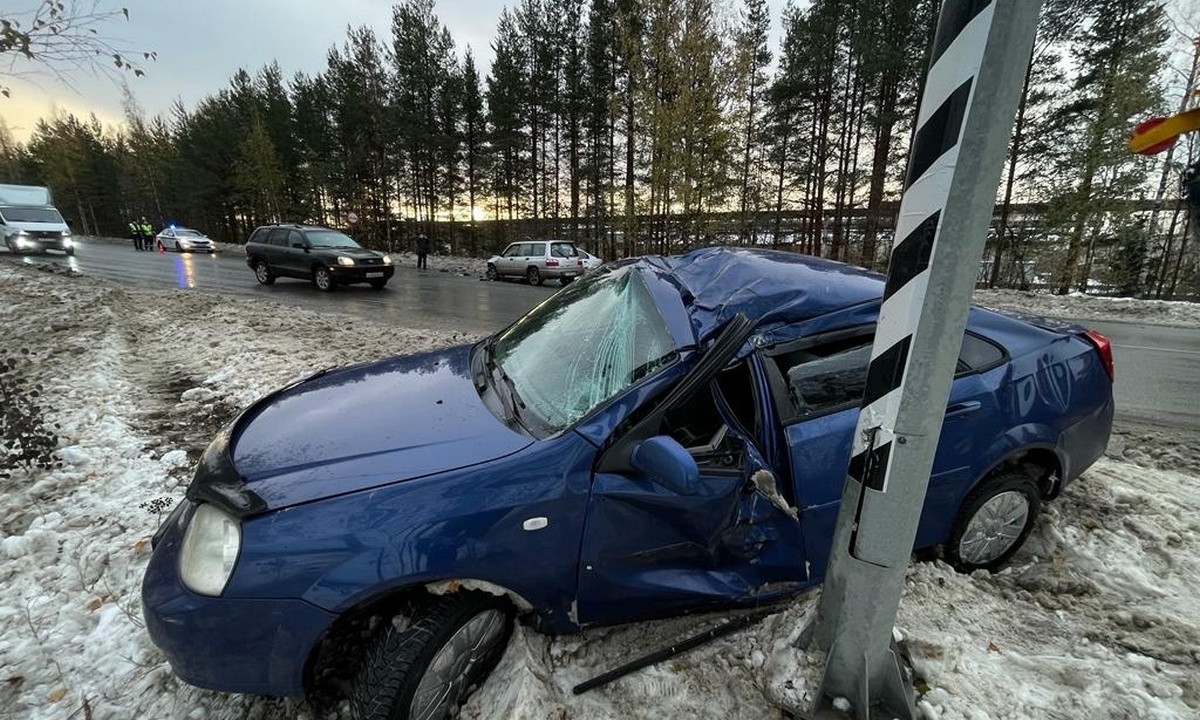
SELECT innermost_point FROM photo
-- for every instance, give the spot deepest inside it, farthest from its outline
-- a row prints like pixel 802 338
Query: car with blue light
pixel 184 240
pixel 665 435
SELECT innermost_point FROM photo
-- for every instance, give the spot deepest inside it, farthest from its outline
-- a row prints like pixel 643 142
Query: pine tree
pixel 1119 56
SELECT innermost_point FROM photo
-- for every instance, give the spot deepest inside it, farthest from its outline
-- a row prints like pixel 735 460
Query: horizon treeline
pixel 634 126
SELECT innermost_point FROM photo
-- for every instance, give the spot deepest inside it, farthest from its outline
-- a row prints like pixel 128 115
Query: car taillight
pixel 1104 347
pixel 551 263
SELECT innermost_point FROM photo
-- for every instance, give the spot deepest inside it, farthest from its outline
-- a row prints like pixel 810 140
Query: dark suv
pixel 327 257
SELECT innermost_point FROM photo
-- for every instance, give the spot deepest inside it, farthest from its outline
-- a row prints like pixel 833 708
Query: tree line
pixel 635 126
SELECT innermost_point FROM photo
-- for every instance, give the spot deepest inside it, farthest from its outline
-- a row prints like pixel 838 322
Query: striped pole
pixel 977 66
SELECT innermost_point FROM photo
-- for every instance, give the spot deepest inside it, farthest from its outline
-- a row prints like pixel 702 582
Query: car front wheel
pixel 491 273
pixel 994 522
pixel 323 279
pixel 262 273
pixel 428 669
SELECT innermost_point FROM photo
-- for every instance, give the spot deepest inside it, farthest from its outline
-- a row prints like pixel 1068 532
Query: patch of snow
pixel 1099 615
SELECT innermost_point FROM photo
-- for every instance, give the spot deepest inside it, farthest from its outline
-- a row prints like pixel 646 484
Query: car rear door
pixel 819 385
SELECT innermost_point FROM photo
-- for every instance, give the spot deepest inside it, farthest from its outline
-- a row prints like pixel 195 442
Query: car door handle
pixel 964 408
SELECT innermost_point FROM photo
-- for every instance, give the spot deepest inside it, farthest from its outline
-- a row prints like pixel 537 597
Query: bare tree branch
pixel 61 37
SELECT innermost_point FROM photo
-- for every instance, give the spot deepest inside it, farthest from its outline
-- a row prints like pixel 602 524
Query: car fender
pixel 514 523
pixel 1014 444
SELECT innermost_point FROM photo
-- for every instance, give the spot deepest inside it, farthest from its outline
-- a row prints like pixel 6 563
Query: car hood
pixel 356 253
pixel 368 425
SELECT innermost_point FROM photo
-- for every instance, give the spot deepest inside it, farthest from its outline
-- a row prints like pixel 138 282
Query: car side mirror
pixel 302 246
pixel 667 463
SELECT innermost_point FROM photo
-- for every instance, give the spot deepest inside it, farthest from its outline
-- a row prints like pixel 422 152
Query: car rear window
pixel 562 250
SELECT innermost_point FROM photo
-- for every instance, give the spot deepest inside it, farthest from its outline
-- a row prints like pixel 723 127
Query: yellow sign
pixel 1157 134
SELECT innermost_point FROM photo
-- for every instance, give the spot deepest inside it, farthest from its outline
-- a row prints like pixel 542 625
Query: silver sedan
pixel 184 240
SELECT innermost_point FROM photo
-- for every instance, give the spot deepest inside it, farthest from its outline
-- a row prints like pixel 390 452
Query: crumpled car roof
pixel 771 287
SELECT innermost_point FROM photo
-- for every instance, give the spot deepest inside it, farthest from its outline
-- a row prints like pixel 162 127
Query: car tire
pixel 262 273
pixel 533 277
pixel 491 273
pixel 323 279
pixel 69 251
pixel 161 247
pixel 448 648
pixel 378 284
pixel 993 522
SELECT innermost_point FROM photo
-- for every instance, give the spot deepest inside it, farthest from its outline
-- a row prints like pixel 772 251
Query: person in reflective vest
pixel 135 231
pixel 147 234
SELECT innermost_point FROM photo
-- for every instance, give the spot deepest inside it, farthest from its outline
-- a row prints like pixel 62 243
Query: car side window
pixel 822 375
pixel 978 354
pixel 294 238
pixel 700 427
pixel 278 236
pixel 823 378
pixel 511 250
pixel 535 249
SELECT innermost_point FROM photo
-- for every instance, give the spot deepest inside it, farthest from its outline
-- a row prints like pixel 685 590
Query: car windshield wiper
pixel 515 404
pixel 506 391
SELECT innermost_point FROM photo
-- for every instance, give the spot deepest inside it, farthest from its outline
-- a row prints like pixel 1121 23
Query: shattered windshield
pixel 584 345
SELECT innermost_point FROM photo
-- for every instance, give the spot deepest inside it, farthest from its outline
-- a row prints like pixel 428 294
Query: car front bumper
pixel 361 273
pixel 249 645
pixel 26 243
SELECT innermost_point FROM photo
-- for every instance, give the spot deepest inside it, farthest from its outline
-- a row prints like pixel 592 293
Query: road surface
pixel 1157 367
pixel 418 299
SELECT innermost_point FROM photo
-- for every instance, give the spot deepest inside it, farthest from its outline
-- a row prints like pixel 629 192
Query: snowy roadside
pixel 1098 618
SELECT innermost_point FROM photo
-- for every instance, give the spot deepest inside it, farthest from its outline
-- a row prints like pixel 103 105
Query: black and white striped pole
pixel 977 66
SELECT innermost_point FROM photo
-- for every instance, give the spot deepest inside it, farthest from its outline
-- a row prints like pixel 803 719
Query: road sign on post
pixel 977 66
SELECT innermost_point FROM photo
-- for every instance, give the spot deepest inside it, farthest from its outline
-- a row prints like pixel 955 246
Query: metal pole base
pixel 895 699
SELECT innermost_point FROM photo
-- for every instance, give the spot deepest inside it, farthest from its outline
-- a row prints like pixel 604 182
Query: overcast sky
pixel 202 43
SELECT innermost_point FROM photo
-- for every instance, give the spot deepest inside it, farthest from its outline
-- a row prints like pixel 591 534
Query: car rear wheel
pixel 263 274
pixel 323 279
pixel 428 669
pixel 533 276
pixel 994 522
pixel 491 273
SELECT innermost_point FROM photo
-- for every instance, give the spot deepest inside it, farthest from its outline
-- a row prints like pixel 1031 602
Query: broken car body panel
pixel 515 462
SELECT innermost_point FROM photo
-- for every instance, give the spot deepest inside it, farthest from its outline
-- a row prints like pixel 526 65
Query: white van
pixel 29 222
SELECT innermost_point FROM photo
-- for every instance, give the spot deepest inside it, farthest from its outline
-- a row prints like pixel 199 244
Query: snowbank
pixel 109 395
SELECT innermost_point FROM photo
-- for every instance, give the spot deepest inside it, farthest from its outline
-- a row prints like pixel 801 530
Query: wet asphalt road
pixel 418 299
pixel 1157 367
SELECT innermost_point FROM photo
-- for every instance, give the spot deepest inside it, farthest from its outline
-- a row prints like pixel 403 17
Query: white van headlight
pixel 210 550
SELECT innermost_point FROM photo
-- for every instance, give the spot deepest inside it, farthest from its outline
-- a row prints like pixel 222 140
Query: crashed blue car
pixel 664 435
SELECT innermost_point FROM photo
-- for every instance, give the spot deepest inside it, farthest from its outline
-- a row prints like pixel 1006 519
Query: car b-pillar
pixel 977 66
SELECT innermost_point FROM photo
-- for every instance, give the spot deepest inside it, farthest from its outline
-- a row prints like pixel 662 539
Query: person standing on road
pixel 147 234
pixel 422 251
pixel 135 232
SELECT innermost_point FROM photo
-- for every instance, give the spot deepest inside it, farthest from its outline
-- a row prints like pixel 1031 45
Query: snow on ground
pixel 113 392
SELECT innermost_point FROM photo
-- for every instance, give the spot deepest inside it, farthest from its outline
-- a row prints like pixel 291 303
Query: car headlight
pixel 66 233
pixel 387 259
pixel 210 550
pixel 67 241
pixel 343 260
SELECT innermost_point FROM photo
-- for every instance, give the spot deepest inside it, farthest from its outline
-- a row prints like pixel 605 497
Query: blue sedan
pixel 664 435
